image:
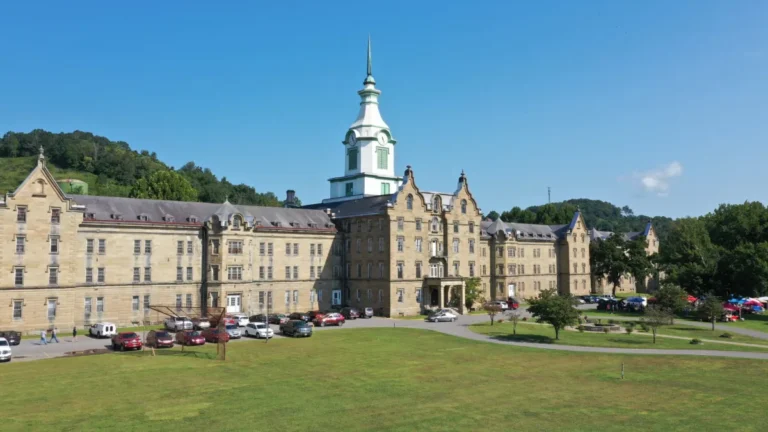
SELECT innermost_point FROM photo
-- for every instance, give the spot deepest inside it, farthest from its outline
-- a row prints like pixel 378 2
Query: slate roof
pixel 365 206
pixel 524 232
pixel 602 235
pixel 131 210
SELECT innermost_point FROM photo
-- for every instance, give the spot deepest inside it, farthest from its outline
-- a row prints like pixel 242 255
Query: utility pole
pixel 549 195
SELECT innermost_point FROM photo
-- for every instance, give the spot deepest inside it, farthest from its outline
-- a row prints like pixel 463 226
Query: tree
pixel 615 257
pixel 557 310
pixel 492 309
pixel 493 215
pixel 671 298
pixel 164 185
pixel 472 292
pixel 514 318
pixel 654 318
pixel 688 258
pixel 710 309
pixel 743 270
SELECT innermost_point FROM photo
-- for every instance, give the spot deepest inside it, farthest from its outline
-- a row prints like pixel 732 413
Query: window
pixel 521 269
pixel 189 301
pixel 88 307
pixel 295 296
pixel 179 274
pixel 370 245
pixel 20 244
pixel 382 157
pixel 287 272
pixel 235 247
pixel 500 252
pixel 583 268
pixel 522 252
pixel 348 189
pixel 261 272
pixel 381 270
pixel 178 302
pixel 52 303
pixel 147 274
pixel 296 249
pixel 88 275
pixel 312 249
pixel 135 303
pixel 584 284
pixel 471 269
pixel 17 305
pixel 582 236
pixel 381 295
pixel 400 295
pixel 320 249
pixel 287 296
pixel 370 270
pixel 435 224
pixel 471 246
pixel 136 275
pixel 484 252
pixel 500 269
pixel 319 270
pixel 146 303
pixel 262 248
pixel 352 160
pixel 179 247
pixel 418 224
pixel 359 270
pixel 53 276
pixel 583 253
pixel 575 268
pixel 89 246
pixel 235 273
pixel 409 202
pixel 400 244
pixel 436 207
pixel 455 245
pixel 471 227
pixel 418 244
pixel 236 223
pixel 99 304
pixel 189 273
pixel 102 246
pixel 101 275
pixel 269 298
pixel 400 223
pixel 270 249
pixel 357 245
pixel 456 226
pixel 385 188
pixel 311 272
pixel 295 272
pixel 400 270
pixel 381 244
pixel 136 247
pixel 418 270
pixel 21 214
pixel 189 247
pixel 456 266
pixel 575 253
pixel 147 247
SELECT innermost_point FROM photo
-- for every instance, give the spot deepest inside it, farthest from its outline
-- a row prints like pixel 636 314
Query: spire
pixel 369 72
pixel 41 158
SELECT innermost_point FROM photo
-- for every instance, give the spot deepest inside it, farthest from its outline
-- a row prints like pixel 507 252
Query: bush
pixel 525 318
pixel 580 328
pixel 726 335
pixel 644 327
pixel 696 342
pixel 606 330
pixel 629 329
pixel 500 320
pixel 599 320
pixel 611 321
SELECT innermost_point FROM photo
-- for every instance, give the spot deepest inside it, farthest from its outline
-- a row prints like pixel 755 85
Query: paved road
pixel 33 350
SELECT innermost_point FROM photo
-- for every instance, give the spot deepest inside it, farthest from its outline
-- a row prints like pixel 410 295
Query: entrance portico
pixel 442 292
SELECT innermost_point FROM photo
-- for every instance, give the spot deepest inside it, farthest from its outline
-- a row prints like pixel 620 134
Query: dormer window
pixel 463 206
pixel 436 207
pixel 192 219
pixel 115 216
pixel 143 217
pixel 435 225
pixel 294 224
pixel 275 224
pixel 236 222
pixel 409 202
pixel 169 218
pixel 89 216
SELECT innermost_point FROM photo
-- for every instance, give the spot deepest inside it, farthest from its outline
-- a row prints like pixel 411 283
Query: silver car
pixel 443 315
pixel 258 330
pixel 233 331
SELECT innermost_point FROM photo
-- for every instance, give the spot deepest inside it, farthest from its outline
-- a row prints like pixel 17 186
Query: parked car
pixel 350 313
pixel 299 316
pixel 640 300
pixel 442 315
pixel 234 331
pixel 500 303
pixel 241 319
pixel 257 318
pixel 512 303
pixel 5 350
pixel 366 313
pixel 229 319
pixel 13 337
pixel 332 318
pixel 103 330
pixel 200 323
pixel 159 339
pixel 314 314
pixel 190 337
pixel 126 340
pixel 296 328
pixel 178 323
pixel 214 335
pixel 277 318
pixel 260 330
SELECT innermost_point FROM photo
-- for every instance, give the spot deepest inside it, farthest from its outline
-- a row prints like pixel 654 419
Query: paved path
pixel 33 350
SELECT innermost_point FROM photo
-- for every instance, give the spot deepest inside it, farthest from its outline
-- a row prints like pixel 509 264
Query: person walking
pixel 42 338
pixel 53 335
pixel 74 334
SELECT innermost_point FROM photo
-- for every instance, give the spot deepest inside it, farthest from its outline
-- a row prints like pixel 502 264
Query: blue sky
pixel 657 105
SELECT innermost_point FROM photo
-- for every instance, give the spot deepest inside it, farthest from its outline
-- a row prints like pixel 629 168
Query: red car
pixel 190 337
pixel 126 340
pixel 512 303
pixel 214 335
pixel 330 319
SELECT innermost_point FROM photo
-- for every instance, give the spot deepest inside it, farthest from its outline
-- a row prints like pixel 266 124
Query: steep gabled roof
pixel 365 206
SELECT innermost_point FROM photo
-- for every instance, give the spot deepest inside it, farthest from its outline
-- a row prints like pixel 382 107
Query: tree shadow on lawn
pixel 524 338
pixel 631 341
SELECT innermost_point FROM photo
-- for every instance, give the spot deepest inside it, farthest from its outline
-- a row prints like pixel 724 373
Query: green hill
pixel 112 168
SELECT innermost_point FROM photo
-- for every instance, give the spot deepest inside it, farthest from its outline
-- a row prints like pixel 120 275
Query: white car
pixel 240 319
pixel 103 330
pixel 178 323
pixel 500 303
pixel 233 331
pixel 258 330
pixel 443 315
pixel 5 350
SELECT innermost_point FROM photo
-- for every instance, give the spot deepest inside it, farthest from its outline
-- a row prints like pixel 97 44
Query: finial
pixel 370 67
pixel 41 157
pixel 226 199
pixel 462 172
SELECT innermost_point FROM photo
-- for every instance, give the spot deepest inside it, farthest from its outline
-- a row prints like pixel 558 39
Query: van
pixel 103 330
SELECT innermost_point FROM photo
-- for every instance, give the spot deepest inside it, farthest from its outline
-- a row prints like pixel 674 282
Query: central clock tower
pixel 369 150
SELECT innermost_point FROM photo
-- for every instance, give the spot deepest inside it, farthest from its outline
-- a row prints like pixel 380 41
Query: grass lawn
pixel 380 379
pixel 529 332
pixel 757 322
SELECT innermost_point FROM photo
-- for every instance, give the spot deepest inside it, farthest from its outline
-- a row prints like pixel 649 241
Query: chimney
pixel 290 198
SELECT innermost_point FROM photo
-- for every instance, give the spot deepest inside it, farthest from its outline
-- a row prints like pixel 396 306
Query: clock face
pixel 382 138
pixel 351 139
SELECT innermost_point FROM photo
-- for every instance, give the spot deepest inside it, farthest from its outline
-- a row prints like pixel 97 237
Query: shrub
pixel 696 342
pixel 611 321
pixel 606 330
pixel 500 320
pixel 644 326
pixel 726 335
pixel 525 318
pixel 599 320
pixel 629 329
pixel 581 329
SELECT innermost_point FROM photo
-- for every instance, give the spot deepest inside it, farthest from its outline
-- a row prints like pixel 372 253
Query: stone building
pixel 378 241
pixel 629 284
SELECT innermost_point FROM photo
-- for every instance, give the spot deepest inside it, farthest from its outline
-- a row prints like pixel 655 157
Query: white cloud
pixel 657 181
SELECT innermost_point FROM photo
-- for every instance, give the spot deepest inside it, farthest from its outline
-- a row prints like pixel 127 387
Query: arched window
pixel 436 207
pixel 236 222
pixel 435 224
pixel 409 202
pixel 463 206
